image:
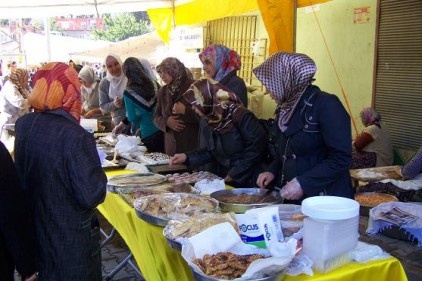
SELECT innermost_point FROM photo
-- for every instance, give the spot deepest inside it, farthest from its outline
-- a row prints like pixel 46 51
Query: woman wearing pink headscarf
pixel 372 147
pixel 311 141
pixel 58 163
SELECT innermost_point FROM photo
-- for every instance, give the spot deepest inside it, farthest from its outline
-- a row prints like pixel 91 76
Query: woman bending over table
pixel 237 140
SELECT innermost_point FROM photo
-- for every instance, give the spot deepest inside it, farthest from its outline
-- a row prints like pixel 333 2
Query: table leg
pixel 127 260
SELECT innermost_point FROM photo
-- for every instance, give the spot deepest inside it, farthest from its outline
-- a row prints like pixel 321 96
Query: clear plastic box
pixel 330 231
pixel 329 243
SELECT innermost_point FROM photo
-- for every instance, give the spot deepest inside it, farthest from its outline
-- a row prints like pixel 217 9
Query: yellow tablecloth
pixel 159 262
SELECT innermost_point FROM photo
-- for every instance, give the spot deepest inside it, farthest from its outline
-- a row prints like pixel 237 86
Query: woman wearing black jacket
pixel 236 141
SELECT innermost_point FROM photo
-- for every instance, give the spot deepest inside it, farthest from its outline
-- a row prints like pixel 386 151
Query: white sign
pixel 188 38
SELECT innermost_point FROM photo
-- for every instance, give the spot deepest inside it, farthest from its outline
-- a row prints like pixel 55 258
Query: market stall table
pixel 159 262
pixel 374 174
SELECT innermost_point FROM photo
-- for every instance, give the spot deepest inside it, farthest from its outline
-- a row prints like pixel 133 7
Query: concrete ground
pixel 408 253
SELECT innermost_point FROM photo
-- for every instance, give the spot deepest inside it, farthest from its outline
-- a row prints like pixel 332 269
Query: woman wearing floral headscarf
pixel 237 139
pixel 180 129
pixel 13 104
pixel 61 173
pixel 221 64
pixel 311 143
pixel 372 147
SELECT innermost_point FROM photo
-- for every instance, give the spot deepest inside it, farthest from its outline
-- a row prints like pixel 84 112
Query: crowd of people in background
pixel 305 150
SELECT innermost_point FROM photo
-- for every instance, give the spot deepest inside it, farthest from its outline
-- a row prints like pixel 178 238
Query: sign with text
pixel 188 38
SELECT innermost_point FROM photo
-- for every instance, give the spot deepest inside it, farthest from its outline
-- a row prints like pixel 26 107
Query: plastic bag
pixel 127 144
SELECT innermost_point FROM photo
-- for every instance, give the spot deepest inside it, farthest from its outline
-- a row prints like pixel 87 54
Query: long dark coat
pixel 61 171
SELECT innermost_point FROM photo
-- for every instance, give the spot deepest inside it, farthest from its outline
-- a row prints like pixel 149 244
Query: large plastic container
pixel 331 230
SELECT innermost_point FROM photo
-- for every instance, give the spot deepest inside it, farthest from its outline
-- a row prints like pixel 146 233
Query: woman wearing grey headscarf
pixel 311 137
pixel 90 92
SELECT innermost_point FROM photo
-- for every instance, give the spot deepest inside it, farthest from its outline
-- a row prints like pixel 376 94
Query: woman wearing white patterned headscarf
pixel 311 144
pixel 111 89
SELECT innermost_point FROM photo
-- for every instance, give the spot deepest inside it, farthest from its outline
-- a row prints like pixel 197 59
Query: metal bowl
pixel 151 219
pixel 200 277
pixel 174 244
pixel 239 208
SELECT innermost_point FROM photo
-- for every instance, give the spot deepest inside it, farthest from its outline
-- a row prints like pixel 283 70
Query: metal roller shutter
pixel 398 79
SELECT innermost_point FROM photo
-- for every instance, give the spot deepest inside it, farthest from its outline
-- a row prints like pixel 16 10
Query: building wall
pixel 345 60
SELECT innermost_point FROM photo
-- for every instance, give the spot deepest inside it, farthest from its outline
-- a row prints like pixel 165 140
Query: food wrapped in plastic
pixel 193 225
pixel 130 194
pixel 135 180
pixel 175 206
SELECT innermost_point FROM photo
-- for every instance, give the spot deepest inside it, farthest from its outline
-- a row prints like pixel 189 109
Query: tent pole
pixel 47 37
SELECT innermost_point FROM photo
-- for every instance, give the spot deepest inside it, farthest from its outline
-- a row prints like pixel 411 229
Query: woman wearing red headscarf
pixel 61 173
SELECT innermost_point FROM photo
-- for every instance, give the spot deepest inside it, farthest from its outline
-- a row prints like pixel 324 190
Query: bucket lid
pixel 330 208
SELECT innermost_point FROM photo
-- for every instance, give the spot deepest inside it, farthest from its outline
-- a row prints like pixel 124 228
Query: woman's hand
pixel 265 179
pixel 179 108
pixel 228 179
pixel 179 158
pixel 33 277
pixel 118 102
pixel 292 190
pixel 118 129
pixel 175 124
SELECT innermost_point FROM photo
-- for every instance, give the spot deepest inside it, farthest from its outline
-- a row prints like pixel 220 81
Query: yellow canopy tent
pixel 278 16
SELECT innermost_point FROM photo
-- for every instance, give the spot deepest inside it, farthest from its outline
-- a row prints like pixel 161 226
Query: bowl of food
pixel 229 266
pixel 368 200
pixel 239 200
pixel 158 209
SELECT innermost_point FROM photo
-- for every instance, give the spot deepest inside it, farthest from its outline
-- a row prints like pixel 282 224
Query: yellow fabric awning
pixel 278 16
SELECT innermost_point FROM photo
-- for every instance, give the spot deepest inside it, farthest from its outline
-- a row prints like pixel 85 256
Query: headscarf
pixel 87 74
pixel 370 116
pixel 286 76
pixel 215 101
pixel 117 84
pixel 225 60
pixel 56 85
pixel 177 70
pixel 148 69
pixel 140 87
pixel 19 79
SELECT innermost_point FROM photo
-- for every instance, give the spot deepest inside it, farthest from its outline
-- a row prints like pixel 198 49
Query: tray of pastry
pixel 166 169
pixel 177 229
pixel 376 173
pixel 134 180
pixel 130 194
pixel 110 165
pixel 158 209
pixel 192 177
pixel 154 158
